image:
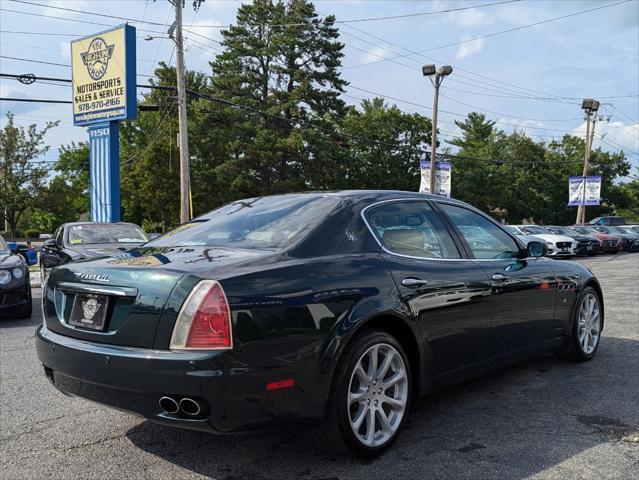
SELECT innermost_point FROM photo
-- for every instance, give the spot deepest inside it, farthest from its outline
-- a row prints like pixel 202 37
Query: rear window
pixel 264 222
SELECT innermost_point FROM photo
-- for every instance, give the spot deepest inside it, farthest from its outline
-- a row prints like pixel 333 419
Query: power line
pixel 261 112
pixel 521 27
pixel 301 24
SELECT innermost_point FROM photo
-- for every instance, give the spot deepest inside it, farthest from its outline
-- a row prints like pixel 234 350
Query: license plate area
pixel 89 311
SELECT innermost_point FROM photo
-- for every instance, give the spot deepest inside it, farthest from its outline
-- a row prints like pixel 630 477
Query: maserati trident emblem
pixel 90 308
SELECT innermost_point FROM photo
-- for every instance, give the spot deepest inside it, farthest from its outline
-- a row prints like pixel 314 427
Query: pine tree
pixel 281 62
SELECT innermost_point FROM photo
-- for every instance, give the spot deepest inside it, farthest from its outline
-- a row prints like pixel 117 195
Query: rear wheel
pixel 370 397
pixel 587 326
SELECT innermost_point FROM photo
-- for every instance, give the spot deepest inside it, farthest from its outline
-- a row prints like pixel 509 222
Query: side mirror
pixel 50 244
pixel 536 249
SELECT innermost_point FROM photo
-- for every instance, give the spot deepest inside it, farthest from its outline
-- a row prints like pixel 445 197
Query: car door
pixel 446 293
pixel 522 300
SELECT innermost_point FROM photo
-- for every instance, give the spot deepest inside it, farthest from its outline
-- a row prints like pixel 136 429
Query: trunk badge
pixel 93 276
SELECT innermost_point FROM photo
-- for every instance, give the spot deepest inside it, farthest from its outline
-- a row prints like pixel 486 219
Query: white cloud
pixel 376 54
pixel 70 4
pixel 469 48
pixel 613 135
pixel 471 18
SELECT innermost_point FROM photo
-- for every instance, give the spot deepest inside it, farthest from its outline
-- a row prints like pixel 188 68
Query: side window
pixel 412 228
pixel 485 239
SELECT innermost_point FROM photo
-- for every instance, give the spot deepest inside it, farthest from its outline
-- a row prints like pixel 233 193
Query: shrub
pixel 31 233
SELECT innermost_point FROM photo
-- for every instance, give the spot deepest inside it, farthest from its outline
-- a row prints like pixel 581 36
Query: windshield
pixel 264 222
pixel 559 230
pixel 4 248
pixel 513 230
pixel 532 230
pixel 91 234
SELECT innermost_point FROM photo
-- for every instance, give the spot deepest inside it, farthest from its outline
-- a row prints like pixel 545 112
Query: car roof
pixel 73 224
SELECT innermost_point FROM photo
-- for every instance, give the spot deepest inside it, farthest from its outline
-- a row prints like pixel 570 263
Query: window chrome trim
pixel 381 245
pixel 403 200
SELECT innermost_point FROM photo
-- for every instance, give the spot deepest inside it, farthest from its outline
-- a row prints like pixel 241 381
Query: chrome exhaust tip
pixel 169 405
pixel 189 406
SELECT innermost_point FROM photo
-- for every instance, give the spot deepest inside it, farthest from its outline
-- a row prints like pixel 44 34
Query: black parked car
pixel 586 244
pixel 82 240
pixel 334 310
pixel 15 286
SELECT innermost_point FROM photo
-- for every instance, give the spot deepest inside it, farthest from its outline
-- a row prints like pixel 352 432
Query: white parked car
pixel 558 245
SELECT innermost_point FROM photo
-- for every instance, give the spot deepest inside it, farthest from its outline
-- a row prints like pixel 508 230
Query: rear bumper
pixel 232 396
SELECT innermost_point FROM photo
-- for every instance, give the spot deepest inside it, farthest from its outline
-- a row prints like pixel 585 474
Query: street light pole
pixel 433 150
pixel 590 107
pixel 185 174
pixel 429 71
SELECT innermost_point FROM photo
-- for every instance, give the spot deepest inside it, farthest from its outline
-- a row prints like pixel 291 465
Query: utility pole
pixel 589 107
pixel 175 32
pixel 429 71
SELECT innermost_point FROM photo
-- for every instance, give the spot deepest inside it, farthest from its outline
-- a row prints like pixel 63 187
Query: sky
pixel 531 78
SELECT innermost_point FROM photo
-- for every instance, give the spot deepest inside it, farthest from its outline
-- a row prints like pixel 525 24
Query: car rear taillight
pixel 204 321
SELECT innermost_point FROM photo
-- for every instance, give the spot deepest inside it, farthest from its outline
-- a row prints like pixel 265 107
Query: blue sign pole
pixel 104 171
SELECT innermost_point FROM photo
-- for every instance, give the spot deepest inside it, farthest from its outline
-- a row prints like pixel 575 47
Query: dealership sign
pixel 443 172
pixel 584 190
pixel 103 74
pixel 104 92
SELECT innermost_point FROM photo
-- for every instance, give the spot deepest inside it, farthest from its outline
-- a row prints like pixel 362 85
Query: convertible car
pixel 15 286
pixel 335 310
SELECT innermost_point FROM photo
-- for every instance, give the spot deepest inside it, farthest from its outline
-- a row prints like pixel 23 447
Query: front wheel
pixel 587 326
pixel 370 398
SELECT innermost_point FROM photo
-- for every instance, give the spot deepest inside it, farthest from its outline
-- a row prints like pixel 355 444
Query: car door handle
pixel 499 277
pixel 414 282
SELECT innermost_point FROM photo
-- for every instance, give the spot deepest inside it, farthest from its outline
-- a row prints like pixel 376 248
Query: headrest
pixel 404 240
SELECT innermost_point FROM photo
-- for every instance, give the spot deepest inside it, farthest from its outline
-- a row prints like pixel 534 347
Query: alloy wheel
pixel 589 323
pixel 377 395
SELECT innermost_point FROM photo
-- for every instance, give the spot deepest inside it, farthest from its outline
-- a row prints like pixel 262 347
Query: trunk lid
pixel 137 292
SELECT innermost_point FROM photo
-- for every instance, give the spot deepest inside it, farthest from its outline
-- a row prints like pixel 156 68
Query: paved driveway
pixel 543 418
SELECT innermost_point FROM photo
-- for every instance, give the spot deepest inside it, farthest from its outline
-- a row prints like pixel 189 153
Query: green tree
pixel 281 63
pixel 391 160
pixel 149 168
pixel 21 181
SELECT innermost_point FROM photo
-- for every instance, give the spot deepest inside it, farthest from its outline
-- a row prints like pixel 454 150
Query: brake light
pixel 204 321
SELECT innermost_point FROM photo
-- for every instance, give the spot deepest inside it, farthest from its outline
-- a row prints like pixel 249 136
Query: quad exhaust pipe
pixel 189 406
pixel 169 405
pixel 186 405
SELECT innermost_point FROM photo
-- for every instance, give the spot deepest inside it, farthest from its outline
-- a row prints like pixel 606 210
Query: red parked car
pixel 607 242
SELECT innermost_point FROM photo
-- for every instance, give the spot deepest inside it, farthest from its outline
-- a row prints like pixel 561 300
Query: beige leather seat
pixel 406 241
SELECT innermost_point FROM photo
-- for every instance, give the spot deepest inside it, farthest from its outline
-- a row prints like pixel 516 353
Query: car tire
pixel 585 335
pixel 363 399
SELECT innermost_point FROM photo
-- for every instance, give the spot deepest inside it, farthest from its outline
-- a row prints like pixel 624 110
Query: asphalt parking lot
pixel 543 418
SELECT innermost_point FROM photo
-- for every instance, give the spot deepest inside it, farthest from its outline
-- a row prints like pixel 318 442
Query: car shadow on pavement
pixel 533 417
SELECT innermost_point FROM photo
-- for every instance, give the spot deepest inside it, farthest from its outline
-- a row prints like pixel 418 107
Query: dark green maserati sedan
pixel 336 311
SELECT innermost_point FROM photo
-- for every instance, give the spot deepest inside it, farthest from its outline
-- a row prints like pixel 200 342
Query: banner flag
pixel 443 173
pixel 584 191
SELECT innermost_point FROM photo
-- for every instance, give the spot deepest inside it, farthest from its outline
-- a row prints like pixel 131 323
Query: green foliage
pixel 31 233
pixel 269 119
pixel 392 162
pixel 21 182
